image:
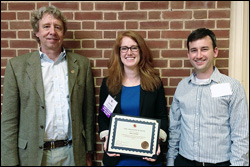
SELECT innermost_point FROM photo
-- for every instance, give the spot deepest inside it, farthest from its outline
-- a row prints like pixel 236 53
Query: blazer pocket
pixel 22 143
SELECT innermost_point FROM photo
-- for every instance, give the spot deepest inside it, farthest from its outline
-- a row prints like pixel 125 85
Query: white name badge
pixel 222 89
pixel 109 106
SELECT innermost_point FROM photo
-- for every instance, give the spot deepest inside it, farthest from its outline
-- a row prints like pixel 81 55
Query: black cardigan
pixel 152 105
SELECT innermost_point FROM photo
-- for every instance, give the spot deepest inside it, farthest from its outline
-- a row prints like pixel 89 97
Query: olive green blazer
pixel 24 115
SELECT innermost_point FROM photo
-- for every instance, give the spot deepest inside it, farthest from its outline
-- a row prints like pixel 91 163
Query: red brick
pixel 88 16
pixel 200 23
pixel 4 62
pixel 164 81
pixel 157 44
pixel 22 52
pixel 222 44
pixel 174 53
pixel 221 63
pixel 42 4
pixel 23 34
pixel 174 81
pixel 214 14
pixel 21 6
pixel 110 16
pixel 154 15
pixel 223 4
pixel 131 5
pixel 20 25
pixel 4 25
pixel 88 25
pixel 102 63
pixel 221 33
pixel 175 34
pixel 74 25
pixel 132 16
pixel 175 63
pixel 175 44
pixel 8 16
pixel 200 14
pixel 169 91
pixel 176 25
pixel 177 15
pixel 110 34
pixel 109 25
pixel 88 34
pixel 66 5
pixel 87 6
pixel 160 63
pixel 8 34
pixel 105 43
pixel 109 5
pixel 71 44
pixel 177 4
pixel 175 72
pixel 131 25
pixel 200 4
pixel 8 53
pixel 96 73
pixel 187 64
pixel 68 35
pixel 88 43
pixel 154 34
pixel 223 23
pixel 23 44
pixel 23 16
pixel 107 53
pixel 154 25
pixel 155 53
pixel 154 5
pixel 223 53
pixel 4 44
pixel 3 7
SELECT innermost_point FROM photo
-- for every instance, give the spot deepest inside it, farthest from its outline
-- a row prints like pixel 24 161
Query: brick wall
pixel 94 25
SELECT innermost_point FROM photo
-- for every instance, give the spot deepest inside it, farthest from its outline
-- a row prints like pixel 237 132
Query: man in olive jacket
pixel 39 116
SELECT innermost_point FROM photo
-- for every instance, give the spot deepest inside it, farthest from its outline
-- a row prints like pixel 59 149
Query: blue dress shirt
pixel 209 129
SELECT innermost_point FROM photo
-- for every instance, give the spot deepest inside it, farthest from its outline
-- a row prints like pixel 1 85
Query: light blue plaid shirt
pixel 55 80
pixel 209 129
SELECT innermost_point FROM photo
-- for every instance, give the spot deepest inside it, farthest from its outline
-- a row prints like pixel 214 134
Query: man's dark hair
pixel 201 33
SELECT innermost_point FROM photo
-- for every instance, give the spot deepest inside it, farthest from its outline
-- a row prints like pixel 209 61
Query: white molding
pixel 239 43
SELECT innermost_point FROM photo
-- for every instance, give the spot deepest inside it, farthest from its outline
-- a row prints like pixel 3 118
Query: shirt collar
pixel 44 56
pixel 214 77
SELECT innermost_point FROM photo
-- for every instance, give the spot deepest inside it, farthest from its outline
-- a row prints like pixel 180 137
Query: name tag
pixel 222 89
pixel 109 106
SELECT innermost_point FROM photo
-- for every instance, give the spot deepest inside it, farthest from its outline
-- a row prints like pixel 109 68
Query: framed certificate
pixel 134 136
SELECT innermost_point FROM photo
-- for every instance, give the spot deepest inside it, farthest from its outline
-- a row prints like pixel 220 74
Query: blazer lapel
pixel 72 71
pixel 34 71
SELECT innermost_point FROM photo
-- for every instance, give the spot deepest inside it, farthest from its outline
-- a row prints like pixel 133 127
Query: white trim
pixel 239 43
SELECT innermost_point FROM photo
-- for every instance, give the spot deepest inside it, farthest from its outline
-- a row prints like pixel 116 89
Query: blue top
pixel 130 105
pixel 206 128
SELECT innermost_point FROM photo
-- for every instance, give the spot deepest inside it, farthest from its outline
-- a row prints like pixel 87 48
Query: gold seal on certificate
pixel 144 145
pixel 134 136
